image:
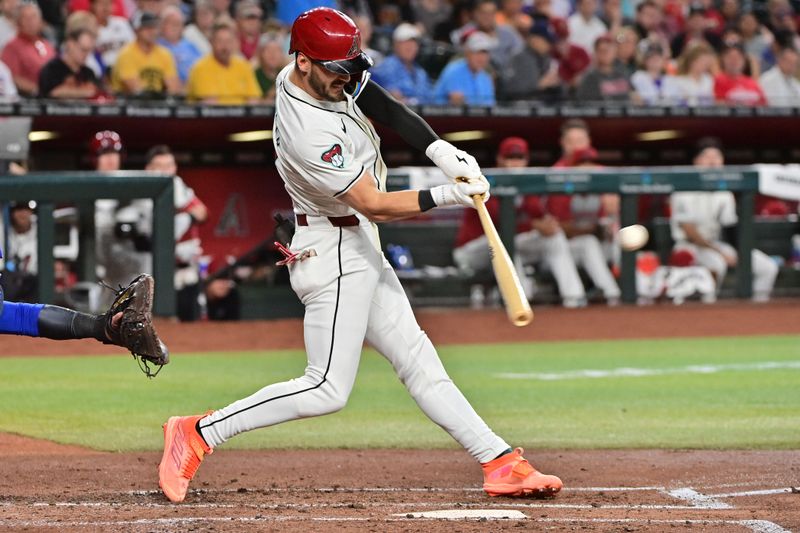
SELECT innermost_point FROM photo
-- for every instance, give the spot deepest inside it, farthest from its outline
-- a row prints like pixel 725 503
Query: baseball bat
pixel 517 307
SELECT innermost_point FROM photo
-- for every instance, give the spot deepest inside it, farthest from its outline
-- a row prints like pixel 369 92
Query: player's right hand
pixel 460 193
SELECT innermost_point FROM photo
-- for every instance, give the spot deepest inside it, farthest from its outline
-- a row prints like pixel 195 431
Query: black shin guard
pixel 59 323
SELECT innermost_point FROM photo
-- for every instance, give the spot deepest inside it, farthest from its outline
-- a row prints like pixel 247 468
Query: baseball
pixel 632 238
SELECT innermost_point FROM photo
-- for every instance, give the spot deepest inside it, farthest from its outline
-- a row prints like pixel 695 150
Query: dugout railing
pixel 83 188
pixel 629 183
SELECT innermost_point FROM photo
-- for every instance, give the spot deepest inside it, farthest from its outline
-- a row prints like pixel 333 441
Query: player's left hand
pixel 456 164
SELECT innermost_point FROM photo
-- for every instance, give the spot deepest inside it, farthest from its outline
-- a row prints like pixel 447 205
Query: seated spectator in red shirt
pixel 607 81
pixel 27 53
pixel 572 59
pixel 67 75
pixel 731 85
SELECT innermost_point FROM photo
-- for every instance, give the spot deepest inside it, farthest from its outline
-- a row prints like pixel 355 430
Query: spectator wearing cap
pixel 8 91
pixel 695 80
pixel 584 25
pixel 696 31
pixel 67 76
pixel 144 67
pixel 539 237
pixel 572 59
pixel 466 81
pixel 732 85
pixel 27 53
pixel 532 74
pixel 698 218
pixel 607 81
pixel 271 59
pixel 113 33
pixel 651 85
pixel 780 84
pixel 400 74
pixel 223 76
pixel 248 22
pixel 508 41
pixel 171 37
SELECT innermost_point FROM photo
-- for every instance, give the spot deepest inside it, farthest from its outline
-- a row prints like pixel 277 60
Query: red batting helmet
pixel 330 38
pixel 104 142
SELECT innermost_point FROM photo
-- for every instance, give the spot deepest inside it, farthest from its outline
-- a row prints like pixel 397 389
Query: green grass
pixel 105 403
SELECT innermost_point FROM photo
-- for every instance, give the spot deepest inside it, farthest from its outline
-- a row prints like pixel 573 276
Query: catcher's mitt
pixel 134 330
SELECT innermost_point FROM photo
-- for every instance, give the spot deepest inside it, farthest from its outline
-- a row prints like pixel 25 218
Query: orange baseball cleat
pixel 184 449
pixel 512 475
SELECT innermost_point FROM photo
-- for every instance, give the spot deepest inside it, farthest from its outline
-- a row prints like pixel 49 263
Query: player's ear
pixel 302 63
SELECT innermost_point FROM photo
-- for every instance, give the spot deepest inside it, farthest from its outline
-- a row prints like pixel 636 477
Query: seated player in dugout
pixel 539 237
pixel 328 155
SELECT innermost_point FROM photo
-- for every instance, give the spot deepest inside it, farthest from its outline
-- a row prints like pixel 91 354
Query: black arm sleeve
pixel 383 108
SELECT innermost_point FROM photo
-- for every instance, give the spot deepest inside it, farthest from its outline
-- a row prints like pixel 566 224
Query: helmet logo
pixel 354 47
pixel 334 156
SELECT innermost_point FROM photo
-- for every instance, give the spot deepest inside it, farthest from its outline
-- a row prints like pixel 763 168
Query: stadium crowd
pixel 474 52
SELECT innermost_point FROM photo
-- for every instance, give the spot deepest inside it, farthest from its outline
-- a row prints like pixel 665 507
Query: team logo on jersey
pixel 334 156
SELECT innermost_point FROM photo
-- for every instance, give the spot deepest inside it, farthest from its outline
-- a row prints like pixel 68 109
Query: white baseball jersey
pixel 339 145
pixel 112 37
pixel 23 247
pixel 709 211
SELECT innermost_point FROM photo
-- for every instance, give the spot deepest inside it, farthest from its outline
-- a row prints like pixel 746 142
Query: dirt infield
pixel 47 487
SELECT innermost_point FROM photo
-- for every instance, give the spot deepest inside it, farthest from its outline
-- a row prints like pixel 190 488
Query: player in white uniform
pixel 697 221
pixel 329 158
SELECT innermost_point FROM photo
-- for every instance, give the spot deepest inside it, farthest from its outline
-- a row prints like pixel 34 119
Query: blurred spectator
pixel 364 23
pixel 8 29
pixel 171 37
pixel 532 74
pixel 731 85
pixel 580 214
pixel 223 76
pixel 8 91
pixel 465 81
pixel 715 22
pixel 781 16
pixel 584 25
pixel 539 236
pixel 695 80
pixel 697 222
pixel 190 212
pixel 400 74
pixel 612 16
pixel 222 10
pixel 512 13
pixel 649 21
pixel 431 13
pixel 288 10
pixel 271 59
pixel 755 37
pixel 572 60
pixel 144 67
pixel 627 48
pixel 780 84
pixel 651 85
pixel 447 31
pixel 606 81
pixel 248 24
pixel 199 31
pixel 113 33
pixel 67 76
pixel 752 67
pixel 696 32
pixel 117 8
pixel 27 53
pixel 19 279
pixel 508 40
pixel 730 11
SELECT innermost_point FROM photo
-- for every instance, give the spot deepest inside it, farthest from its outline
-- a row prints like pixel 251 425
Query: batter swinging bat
pixel 517 307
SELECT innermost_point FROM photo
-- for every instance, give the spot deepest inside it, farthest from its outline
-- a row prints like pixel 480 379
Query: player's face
pixel 163 163
pixel 109 162
pixel 709 158
pixel 326 84
pixel 574 139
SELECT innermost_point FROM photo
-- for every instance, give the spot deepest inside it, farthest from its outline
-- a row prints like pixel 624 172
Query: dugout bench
pixel 51 188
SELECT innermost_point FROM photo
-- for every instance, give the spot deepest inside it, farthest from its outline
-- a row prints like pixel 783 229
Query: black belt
pixel 339 222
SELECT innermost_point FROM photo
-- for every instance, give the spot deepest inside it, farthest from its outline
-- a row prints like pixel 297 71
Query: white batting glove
pixel 453 162
pixel 460 193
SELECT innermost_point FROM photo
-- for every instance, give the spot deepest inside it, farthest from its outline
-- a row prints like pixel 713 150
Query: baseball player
pixel 697 221
pixel 328 155
pixel 539 236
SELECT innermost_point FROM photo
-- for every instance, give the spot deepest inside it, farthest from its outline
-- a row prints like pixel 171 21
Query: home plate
pixel 460 514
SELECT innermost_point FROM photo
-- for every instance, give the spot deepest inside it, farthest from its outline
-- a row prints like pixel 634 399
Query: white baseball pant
pixel 351 293
pixel 588 253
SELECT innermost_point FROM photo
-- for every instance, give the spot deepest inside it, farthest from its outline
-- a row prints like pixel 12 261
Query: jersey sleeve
pixel 329 163
pixel 727 212
pixel 184 195
pixel 682 208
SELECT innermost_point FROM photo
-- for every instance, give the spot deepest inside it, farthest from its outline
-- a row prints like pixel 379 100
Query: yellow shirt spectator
pixel 151 69
pixel 213 82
